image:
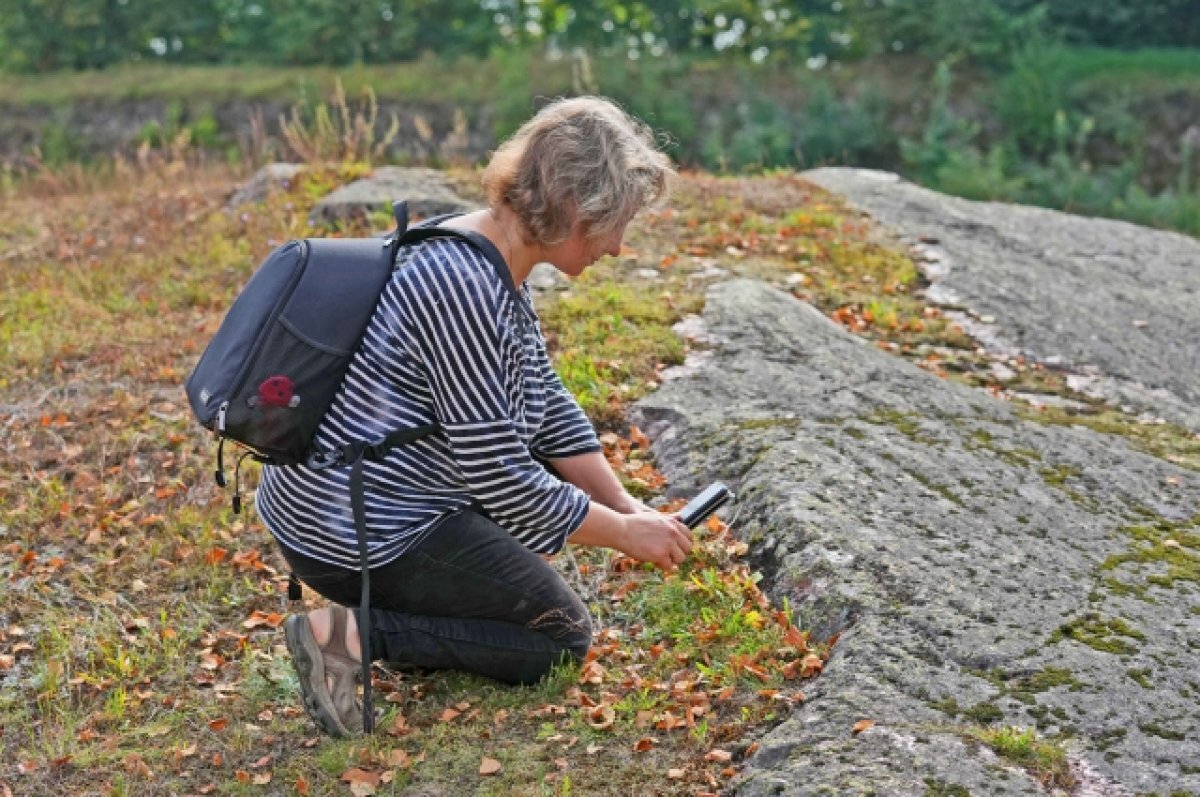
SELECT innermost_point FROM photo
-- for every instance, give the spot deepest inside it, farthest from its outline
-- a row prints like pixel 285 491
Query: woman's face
pixel 580 250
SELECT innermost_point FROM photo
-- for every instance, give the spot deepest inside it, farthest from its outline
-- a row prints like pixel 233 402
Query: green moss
pixel 1100 634
pixel 939 788
pixel 907 423
pixel 1166 545
pixel 1107 739
pixel 1166 441
pixel 1058 475
pixel 1141 677
pixel 940 489
pixel 608 338
pixel 983 713
pixel 1117 587
pixel 947 705
pixel 1049 678
pixel 982 437
pixel 751 424
pixel 1017 456
pixel 1154 729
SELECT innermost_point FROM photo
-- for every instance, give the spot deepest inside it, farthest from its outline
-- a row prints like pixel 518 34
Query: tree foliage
pixel 43 35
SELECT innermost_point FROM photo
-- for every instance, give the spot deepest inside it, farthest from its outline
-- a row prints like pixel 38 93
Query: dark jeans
pixel 468 597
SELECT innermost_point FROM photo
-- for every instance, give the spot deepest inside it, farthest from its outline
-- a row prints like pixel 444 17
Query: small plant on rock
pixel 1045 760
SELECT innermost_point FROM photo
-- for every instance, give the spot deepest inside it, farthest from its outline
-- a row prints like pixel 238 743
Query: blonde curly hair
pixel 581 159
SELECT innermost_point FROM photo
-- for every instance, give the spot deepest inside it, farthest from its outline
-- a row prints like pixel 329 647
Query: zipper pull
pixel 221 417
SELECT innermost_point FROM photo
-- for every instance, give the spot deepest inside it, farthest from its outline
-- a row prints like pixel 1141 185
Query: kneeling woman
pixel 456 522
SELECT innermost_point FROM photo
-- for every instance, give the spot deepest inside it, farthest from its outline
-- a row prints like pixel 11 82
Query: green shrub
pixel 1029 96
pixel 944 134
pixel 58 145
pixel 969 174
pixel 832 130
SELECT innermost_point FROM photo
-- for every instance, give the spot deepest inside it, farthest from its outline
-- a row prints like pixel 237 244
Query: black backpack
pixel 272 370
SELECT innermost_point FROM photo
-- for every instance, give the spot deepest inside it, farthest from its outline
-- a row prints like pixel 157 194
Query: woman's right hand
pixel 659 539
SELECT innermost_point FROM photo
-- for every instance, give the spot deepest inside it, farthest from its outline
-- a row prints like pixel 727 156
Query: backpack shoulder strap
pixel 480 242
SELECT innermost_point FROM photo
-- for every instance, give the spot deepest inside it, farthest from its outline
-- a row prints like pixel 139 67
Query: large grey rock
pixel 958 549
pixel 1118 302
pixel 427 191
pixel 545 278
pixel 271 177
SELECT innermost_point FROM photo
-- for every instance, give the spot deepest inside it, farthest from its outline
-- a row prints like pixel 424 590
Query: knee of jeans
pixel 572 631
pixel 579 641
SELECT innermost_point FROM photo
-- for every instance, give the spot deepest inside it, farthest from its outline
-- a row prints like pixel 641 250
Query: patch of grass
pixel 1160 68
pixel 139 646
pixel 427 79
pixel 1045 760
pixel 608 337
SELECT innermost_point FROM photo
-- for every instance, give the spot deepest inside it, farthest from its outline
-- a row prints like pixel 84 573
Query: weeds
pixel 1045 760
pixel 333 133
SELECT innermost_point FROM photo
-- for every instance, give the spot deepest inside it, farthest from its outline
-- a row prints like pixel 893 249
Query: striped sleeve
pixel 452 308
pixel 565 431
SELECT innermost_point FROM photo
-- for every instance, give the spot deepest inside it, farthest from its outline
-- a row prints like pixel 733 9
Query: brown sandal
pixel 333 704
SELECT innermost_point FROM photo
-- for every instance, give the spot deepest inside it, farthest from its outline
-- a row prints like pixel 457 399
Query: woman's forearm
pixel 590 472
pixel 602 527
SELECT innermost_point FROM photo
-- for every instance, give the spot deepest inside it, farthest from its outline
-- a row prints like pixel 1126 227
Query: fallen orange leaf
pixel 861 726
pixel 490 766
pixel 601 717
pixel 356 775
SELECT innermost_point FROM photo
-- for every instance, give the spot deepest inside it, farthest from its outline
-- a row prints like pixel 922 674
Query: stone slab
pixel 1109 299
pixel 427 191
pixel 980 569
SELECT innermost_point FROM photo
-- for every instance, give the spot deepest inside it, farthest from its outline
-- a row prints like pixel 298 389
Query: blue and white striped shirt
pixel 449 342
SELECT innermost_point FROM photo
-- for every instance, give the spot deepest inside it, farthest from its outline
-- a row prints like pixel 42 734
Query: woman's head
pixel 578 161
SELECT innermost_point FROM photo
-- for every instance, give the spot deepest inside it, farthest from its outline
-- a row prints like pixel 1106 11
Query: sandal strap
pixel 336 646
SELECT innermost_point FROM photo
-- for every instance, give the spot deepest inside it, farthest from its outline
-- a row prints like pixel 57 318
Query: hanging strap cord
pixel 354 454
pixel 358 505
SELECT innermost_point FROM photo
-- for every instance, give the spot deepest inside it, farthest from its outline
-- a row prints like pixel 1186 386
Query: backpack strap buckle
pixel 320 460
